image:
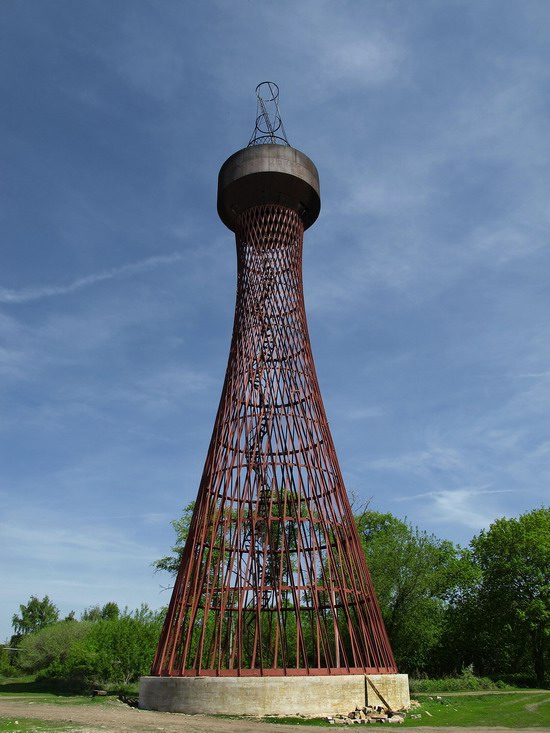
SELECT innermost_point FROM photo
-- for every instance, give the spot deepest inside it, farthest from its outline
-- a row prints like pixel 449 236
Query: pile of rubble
pixel 368 714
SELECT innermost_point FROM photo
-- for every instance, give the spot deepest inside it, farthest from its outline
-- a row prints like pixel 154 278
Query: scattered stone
pixel 372 715
pixel 132 702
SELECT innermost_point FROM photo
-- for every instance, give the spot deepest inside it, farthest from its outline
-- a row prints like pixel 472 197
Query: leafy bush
pixel 113 652
pixel 466 681
pixel 121 650
pixel 109 649
pixel 6 667
pixel 50 646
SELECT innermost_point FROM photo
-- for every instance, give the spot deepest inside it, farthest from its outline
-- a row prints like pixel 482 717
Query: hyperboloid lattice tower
pixel 273 581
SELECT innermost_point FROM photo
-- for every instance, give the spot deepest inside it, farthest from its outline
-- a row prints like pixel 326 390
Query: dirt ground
pixel 115 717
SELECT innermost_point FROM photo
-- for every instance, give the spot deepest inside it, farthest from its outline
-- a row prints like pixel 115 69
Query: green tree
pixel 171 563
pixel 459 641
pixel 414 574
pixel 513 596
pixel 144 614
pixel 34 615
pixel 108 612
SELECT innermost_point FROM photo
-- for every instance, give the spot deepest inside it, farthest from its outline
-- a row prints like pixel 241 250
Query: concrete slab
pixel 305 695
pixel 394 688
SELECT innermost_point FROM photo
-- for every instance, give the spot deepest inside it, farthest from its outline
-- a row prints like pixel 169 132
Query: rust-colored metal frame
pixel 273 579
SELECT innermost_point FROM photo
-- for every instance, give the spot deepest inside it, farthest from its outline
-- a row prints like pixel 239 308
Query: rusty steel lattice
pixel 273 580
pixel 269 129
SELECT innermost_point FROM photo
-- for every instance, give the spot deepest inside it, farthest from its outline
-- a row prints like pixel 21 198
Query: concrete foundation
pixel 305 695
pixel 394 688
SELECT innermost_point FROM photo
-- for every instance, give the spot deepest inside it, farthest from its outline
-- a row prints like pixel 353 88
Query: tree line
pixel 446 608
pixel 105 647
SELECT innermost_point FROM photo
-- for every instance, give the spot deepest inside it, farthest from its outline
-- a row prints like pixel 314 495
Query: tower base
pixel 303 695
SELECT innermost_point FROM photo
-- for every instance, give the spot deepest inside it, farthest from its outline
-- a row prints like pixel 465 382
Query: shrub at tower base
pixel 273 609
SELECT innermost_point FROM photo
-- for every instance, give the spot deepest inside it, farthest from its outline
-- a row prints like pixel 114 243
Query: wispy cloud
pixel 534 375
pixel 349 55
pixel 424 462
pixel 62 545
pixel 26 295
pixel 425 275
pixel 335 51
pixel 43 555
pixel 358 413
pixel 462 506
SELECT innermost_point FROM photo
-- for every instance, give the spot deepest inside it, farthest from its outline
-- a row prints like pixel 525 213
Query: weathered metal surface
pixel 269 127
pixel 273 579
pixel 268 174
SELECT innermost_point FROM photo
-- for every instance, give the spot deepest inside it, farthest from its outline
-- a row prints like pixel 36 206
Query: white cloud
pixel 359 413
pixel 463 506
pixel 78 561
pixel 347 56
pixel 427 265
pixel 311 46
pixel 29 294
pixel 423 463
pixel 45 544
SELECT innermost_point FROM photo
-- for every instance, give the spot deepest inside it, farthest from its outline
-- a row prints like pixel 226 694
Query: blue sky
pixel 426 275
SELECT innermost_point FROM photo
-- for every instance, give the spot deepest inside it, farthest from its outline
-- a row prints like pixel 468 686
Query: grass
pixel 26 689
pixel 26 725
pixel 509 710
pixel 517 709
pixel 513 710
pixel 319 722
pixel 54 698
pixel 277 719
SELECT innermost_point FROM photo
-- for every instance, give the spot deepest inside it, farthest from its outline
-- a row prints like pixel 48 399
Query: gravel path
pixel 115 717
